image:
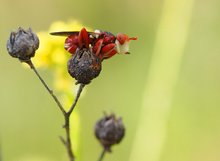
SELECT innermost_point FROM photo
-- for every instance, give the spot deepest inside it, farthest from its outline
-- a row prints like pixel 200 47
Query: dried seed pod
pixel 84 66
pixel 109 131
pixel 22 44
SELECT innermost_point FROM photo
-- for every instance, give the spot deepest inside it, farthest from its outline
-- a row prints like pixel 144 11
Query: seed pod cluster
pixel 109 131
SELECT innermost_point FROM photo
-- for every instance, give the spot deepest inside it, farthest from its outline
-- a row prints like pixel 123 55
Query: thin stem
pixel 67 142
pixel 76 99
pixel 46 86
pixel 66 114
pixel 102 155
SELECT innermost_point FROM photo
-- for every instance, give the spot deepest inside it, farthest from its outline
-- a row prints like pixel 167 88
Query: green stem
pixel 101 157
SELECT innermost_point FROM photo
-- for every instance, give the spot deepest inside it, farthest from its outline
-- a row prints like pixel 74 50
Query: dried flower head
pixel 109 131
pixel 22 44
pixel 84 66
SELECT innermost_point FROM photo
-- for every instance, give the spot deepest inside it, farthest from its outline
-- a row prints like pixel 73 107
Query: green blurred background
pixel 167 91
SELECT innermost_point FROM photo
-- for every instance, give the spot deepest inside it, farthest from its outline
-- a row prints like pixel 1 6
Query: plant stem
pixel 102 155
pixel 76 99
pixel 29 62
pixel 66 114
pixel 67 142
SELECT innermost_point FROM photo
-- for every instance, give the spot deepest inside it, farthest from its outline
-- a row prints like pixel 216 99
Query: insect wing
pixel 68 33
pixel 65 33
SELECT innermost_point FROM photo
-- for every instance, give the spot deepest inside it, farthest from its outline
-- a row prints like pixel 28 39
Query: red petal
pixel 108 39
pixel 71 43
pixel 122 38
pixel 97 47
pixel 83 38
pixel 108 51
pixel 72 49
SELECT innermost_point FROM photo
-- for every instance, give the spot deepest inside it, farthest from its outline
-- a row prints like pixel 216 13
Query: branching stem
pixel 67 124
pixel 66 114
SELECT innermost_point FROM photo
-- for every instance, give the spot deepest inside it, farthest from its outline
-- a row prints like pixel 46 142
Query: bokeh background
pixel 167 91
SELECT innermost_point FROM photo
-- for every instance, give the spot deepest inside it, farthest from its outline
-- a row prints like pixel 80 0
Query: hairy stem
pixel 101 157
pixel 66 114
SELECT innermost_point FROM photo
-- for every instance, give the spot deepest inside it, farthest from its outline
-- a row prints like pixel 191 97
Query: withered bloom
pixel 109 131
pixel 22 44
pixel 84 66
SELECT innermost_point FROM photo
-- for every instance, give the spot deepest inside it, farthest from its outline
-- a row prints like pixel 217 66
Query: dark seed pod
pixel 22 44
pixel 109 131
pixel 84 66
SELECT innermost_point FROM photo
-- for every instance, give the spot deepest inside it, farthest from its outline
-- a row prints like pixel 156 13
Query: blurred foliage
pixel 30 122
